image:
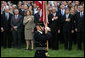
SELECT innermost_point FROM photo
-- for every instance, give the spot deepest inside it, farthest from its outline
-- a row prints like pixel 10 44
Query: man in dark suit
pixel 68 29
pixel 80 27
pixel 34 8
pixel 74 39
pixel 16 23
pixel 61 12
pixel 2 30
pixel 6 28
pixel 22 12
pixel 49 18
pixel 55 28
pixel 37 16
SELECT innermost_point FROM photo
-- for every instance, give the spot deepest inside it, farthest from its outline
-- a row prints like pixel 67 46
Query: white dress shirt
pixel 62 11
pixel 7 15
pixel 40 32
pixel 35 10
pixel 81 13
pixel 54 14
pixel 67 15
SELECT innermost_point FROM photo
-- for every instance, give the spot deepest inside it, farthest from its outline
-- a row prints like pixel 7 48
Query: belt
pixel 41 48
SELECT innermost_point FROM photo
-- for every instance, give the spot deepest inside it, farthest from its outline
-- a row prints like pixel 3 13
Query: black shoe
pixel 26 49
pixel 30 49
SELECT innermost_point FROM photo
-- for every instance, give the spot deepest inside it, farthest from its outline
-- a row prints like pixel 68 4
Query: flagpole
pixel 46 24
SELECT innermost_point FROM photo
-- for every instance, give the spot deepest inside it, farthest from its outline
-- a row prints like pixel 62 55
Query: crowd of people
pixel 66 21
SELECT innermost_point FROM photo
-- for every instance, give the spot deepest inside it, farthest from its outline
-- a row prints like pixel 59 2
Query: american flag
pixel 43 16
pixel 43 11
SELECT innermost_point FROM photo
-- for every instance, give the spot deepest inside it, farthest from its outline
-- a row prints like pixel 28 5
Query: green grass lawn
pixel 11 52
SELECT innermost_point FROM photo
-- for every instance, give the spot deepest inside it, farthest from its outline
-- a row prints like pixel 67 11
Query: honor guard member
pixel 41 37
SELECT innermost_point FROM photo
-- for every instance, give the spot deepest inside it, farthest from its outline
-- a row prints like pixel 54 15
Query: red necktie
pixel 15 19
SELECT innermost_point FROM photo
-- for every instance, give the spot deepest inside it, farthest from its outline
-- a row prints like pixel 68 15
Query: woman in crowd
pixel 29 26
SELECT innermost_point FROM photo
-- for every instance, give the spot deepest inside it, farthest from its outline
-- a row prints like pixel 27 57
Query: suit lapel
pixel 69 16
pixel 79 14
pixel 14 18
pixel 9 16
pixel 5 17
pixel 65 16
pixel 38 15
pixel 18 18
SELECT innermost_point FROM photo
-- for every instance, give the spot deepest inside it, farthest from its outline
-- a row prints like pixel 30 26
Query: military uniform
pixel 41 41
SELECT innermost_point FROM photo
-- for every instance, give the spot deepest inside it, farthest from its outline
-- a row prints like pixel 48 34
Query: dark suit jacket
pixel 61 18
pixel 59 12
pixel 79 21
pixel 41 39
pixel 36 18
pixel 6 23
pixel 54 25
pixel 22 13
pixel 18 23
pixel 68 26
pixel 1 20
pixel 74 20
pixel 50 19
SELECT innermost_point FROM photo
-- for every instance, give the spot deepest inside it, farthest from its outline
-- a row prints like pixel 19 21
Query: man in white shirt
pixel 6 16
pixel 35 8
pixel 62 9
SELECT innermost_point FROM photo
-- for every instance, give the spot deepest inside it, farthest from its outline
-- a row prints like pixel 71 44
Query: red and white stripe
pixel 43 11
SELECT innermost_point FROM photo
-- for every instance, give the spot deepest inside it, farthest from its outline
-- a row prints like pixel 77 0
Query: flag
pixel 43 11
pixel 40 4
pixel 43 16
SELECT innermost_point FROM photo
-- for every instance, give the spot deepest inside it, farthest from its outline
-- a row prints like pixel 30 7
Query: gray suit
pixel 17 34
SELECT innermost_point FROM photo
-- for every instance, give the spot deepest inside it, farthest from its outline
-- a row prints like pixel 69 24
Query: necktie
pixel 67 15
pixel 53 15
pixel 81 14
pixel 62 12
pixel 7 16
pixel 56 8
pixel 15 18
